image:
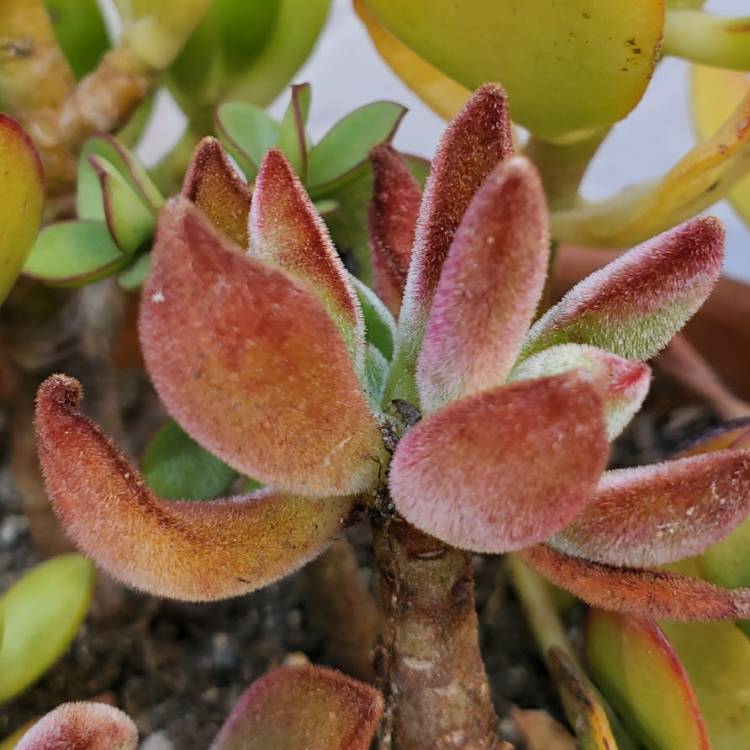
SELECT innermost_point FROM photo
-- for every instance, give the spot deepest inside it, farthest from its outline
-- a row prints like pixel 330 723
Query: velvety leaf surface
pixel 634 305
pixel 470 148
pixel 196 551
pixel 651 515
pixel 249 364
pixel 489 287
pixel 176 467
pixel 549 55
pixel 639 591
pixel 22 181
pixel 394 208
pixel 622 383
pixel 212 183
pixel 42 612
pixel 505 468
pixel 82 726
pixel 285 230
pixel 303 707
pixel 248 132
pixel 640 674
pixel 716 656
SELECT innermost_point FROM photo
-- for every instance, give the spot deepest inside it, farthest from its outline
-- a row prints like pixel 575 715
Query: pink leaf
pixel 303 708
pixel 505 468
pixel 639 591
pixel 489 287
pixel 248 362
pixel 182 549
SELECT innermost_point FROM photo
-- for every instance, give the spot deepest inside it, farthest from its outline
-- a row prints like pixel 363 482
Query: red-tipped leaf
pixel 489 287
pixel 248 362
pixel 503 469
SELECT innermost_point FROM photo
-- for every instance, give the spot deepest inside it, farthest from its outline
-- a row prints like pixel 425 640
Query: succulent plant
pixel 461 428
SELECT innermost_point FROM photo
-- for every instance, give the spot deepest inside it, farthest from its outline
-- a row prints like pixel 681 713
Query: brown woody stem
pixel 428 660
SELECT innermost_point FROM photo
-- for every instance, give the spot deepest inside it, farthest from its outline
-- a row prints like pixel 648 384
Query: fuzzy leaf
pixel 212 183
pixel 197 551
pixel 634 305
pixel 247 132
pixel 285 230
pixel 470 148
pixel 22 180
pixel 42 612
pixel 716 656
pixel 292 140
pixel 640 674
pixel 380 328
pixel 248 362
pixel 489 288
pixel 176 467
pixel 393 212
pixel 639 591
pixel 505 468
pixel 73 253
pixel 303 707
pixel 346 145
pixel 83 726
pixel 651 515
pixel 622 383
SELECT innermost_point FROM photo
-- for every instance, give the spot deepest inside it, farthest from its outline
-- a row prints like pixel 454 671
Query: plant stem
pixel 430 667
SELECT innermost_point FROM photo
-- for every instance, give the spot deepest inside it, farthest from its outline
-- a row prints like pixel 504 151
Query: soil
pixel 177 668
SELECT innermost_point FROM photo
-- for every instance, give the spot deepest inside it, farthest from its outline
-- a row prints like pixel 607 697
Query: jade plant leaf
pixel 42 612
pixel 84 726
pixel 716 656
pixel 176 467
pixel 73 253
pixel 247 132
pixel 303 707
pixel 707 38
pixel 518 463
pixel 196 551
pixel 210 332
pixel 545 55
pixel 134 276
pixel 637 669
pixel 22 180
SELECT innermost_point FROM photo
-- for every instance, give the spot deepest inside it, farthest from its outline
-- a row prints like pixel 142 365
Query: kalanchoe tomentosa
pixel 262 355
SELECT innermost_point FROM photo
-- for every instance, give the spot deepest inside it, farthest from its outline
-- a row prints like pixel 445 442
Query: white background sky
pixel 345 72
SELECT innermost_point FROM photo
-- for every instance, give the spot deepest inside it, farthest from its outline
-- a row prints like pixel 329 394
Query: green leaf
pixel 73 253
pixel 376 372
pixel 348 142
pixel 380 327
pixel 133 277
pixel 176 467
pixel 43 611
pixel 292 139
pixel 247 132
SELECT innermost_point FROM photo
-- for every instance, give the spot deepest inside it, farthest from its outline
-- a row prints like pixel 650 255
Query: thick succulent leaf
pixel 134 276
pixel 212 183
pixel 634 305
pixel 545 55
pixel 716 656
pixel 622 383
pixel 22 181
pixel 470 148
pixel 196 551
pixel 292 137
pixel 380 328
pixel 131 223
pixel 286 231
pixel 716 94
pixel 73 253
pixel 42 612
pixel 83 726
pixel 248 362
pixel 489 288
pixel 346 145
pixel 708 39
pixel 376 373
pixel 396 198
pixel 539 731
pixel 303 707
pixel 247 132
pixel 637 669
pixel 639 591
pixel 505 468
pixel 652 515
pixel 176 467
pixel 442 94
